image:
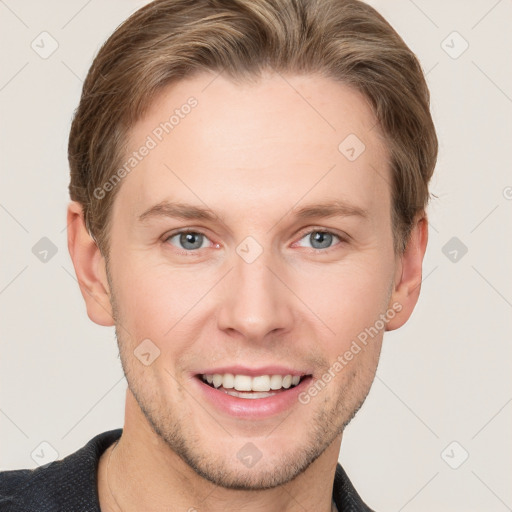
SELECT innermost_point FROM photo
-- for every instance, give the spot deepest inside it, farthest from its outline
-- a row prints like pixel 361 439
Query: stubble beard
pixel 218 468
pixel 326 425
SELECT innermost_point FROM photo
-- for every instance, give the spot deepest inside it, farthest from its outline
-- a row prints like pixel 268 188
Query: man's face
pixel 256 290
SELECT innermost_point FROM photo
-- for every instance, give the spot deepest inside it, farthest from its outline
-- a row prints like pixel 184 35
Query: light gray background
pixel 443 377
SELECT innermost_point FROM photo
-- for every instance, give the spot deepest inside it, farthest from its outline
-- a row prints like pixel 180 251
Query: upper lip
pixel 254 372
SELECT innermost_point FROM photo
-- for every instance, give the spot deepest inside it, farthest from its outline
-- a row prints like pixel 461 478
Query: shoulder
pixel 345 495
pixel 9 482
pixel 67 484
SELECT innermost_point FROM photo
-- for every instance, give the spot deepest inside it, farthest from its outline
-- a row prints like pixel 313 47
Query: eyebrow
pixel 186 211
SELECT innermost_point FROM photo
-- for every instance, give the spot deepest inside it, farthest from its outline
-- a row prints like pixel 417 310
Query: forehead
pixel 264 144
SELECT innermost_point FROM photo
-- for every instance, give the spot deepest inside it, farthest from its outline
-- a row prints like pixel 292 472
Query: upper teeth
pixel 248 383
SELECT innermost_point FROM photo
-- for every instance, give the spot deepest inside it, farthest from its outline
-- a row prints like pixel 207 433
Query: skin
pixel 252 153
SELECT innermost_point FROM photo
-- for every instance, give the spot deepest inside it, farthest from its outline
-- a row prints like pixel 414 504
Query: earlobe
pixel 409 274
pixel 89 266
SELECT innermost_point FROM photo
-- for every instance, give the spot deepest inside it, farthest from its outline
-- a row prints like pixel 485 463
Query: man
pixel 248 181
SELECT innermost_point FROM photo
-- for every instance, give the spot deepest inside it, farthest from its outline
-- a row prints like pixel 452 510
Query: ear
pixel 89 266
pixel 408 274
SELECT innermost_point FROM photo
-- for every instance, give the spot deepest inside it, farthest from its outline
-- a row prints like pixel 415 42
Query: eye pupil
pixel 324 239
pixel 191 238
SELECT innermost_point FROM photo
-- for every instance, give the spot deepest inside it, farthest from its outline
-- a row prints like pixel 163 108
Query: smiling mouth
pixel 245 386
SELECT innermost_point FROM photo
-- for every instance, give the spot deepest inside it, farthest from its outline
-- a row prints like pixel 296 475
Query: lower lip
pixel 253 408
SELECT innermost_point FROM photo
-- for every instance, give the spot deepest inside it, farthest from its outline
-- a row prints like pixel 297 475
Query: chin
pixel 262 475
pixel 249 463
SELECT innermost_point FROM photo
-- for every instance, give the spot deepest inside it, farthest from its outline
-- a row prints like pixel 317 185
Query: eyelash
pixel 302 235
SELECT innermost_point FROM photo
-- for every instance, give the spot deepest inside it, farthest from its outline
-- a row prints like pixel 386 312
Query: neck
pixel 145 474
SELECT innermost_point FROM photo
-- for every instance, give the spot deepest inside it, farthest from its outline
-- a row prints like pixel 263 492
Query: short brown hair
pixel 168 40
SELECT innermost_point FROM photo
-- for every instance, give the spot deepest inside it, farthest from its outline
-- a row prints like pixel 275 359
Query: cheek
pixel 161 303
pixel 142 298
pixel 338 301
pixel 347 298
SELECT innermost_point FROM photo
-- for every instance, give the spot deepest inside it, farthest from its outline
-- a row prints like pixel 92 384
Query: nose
pixel 255 301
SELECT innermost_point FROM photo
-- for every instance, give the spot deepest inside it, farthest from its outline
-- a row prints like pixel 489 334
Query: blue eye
pixel 320 239
pixel 189 240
